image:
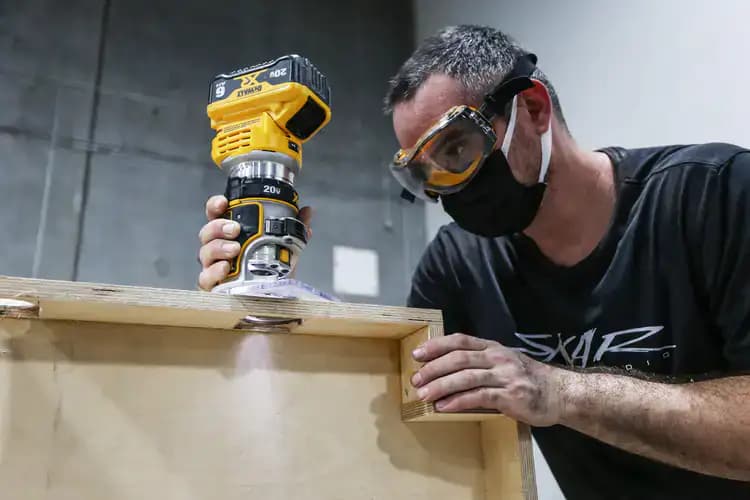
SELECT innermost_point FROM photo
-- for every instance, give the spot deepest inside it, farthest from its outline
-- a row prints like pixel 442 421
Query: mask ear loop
pixel 546 140
pixel 505 147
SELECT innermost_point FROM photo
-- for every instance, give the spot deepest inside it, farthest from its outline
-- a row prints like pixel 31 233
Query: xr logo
pixel 248 80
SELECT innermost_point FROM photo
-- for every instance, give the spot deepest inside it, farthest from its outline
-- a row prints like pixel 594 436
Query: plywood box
pixel 124 393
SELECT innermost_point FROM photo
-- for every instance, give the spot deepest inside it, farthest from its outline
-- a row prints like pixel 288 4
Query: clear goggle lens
pixel 448 156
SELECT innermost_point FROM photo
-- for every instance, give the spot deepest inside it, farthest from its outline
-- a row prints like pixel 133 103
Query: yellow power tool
pixel 262 115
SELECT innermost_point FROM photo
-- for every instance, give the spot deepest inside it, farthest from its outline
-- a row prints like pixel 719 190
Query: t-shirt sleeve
pixel 435 286
pixel 724 242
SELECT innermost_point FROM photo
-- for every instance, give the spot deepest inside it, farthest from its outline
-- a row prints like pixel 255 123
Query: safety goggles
pixel 453 149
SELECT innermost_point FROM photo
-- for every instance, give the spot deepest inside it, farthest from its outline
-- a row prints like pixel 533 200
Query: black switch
pixel 276 227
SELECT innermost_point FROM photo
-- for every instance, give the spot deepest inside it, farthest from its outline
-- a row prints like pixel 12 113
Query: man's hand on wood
pixel 464 373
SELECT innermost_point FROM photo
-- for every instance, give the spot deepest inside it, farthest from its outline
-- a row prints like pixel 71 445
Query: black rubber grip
pixel 248 217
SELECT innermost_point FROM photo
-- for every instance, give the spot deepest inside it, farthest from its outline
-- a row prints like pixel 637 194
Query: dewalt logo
pixel 249 91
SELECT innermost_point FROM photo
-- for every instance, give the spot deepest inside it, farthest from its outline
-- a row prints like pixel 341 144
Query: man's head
pixel 459 65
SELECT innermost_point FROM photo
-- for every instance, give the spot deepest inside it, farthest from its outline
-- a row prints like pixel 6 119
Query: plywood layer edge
pixel 64 300
pixel 412 408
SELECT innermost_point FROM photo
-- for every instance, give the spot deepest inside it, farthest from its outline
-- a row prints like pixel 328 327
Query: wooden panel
pixel 508 460
pixel 137 305
pixel 139 408
pixel 93 411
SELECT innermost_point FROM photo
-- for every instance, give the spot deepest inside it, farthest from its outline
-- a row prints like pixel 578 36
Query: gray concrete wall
pixel 107 182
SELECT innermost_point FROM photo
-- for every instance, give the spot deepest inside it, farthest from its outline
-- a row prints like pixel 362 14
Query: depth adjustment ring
pixel 265 169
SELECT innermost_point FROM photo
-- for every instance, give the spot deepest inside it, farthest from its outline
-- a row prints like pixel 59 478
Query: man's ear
pixel 539 105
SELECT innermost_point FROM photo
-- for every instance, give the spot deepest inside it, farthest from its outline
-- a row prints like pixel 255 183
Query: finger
pixel 212 275
pixel 306 215
pixel 488 398
pixel 450 363
pixel 217 250
pixel 219 229
pixel 437 347
pixel 216 206
pixel 456 382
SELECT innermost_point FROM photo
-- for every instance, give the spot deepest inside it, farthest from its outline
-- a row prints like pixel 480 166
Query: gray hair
pixel 477 56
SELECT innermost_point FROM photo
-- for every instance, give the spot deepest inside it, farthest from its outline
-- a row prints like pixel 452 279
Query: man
pixel 601 297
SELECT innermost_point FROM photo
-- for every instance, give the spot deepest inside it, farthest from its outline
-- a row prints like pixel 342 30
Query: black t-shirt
pixel 667 291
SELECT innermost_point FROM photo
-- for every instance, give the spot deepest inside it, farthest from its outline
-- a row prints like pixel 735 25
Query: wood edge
pixel 420 411
pixel 54 298
pixel 508 460
pixel 411 404
pixel 415 410
pixel 435 330
pixel 412 407
pixel 78 290
pixel 526 454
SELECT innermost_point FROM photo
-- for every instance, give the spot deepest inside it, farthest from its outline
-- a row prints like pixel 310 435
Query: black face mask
pixel 494 203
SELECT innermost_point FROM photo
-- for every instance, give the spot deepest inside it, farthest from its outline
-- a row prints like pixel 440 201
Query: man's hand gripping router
pixel 218 243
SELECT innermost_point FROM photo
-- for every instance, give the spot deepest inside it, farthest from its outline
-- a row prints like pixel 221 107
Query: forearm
pixel 703 426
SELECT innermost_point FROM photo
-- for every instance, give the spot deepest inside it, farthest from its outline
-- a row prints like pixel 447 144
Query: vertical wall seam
pixel 86 181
